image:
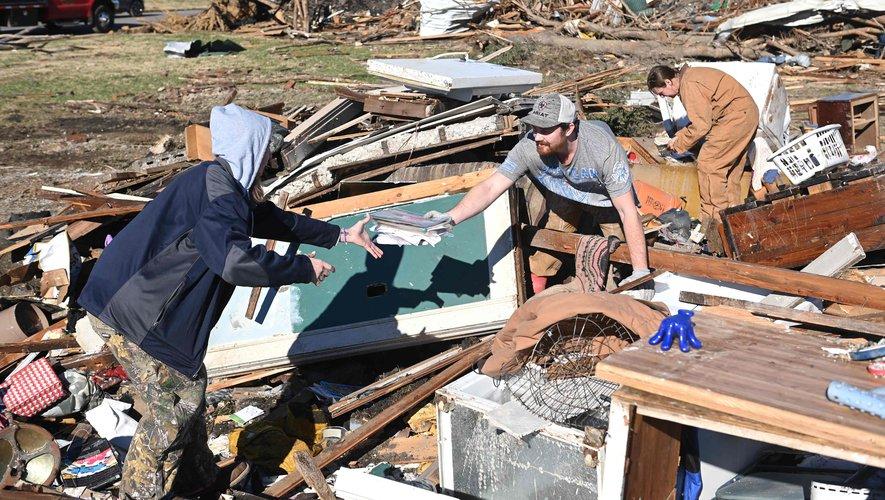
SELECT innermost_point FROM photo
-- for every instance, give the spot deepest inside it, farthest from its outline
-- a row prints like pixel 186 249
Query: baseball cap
pixel 550 110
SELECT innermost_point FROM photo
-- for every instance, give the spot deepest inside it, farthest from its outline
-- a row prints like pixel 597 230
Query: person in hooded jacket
pixel 161 284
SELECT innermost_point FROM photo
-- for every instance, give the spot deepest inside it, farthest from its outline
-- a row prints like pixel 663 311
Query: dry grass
pixel 163 5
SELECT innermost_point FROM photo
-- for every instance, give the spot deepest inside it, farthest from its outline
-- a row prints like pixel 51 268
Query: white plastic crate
pixel 802 157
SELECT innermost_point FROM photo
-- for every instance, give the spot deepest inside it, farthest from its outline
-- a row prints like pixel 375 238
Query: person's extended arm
pixel 626 208
pixel 480 197
pixel 273 223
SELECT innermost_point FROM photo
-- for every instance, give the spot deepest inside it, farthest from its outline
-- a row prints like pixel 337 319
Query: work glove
pixel 645 291
pixel 675 327
pixel 433 214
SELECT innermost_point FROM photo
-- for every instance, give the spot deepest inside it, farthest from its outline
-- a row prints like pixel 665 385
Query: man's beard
pixel 544 149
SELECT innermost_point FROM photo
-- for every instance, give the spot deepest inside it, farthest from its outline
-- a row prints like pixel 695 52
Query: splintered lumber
pixel 388 415
pixel 37 337
pixel 393 382
pixel 847 324
pixel 312 476
pixel 218 385
pixel 743 273
pixel 39 345
pixel 91 214
pixel 757 373
pixel 581 84
pixel 330 116
pixel 20 274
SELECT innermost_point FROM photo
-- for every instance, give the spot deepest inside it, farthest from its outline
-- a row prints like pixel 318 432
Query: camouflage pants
pixel 171 435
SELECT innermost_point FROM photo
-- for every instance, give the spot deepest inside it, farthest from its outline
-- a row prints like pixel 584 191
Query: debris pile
pixel 417 146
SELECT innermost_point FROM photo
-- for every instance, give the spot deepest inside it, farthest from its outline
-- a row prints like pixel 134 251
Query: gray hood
pixel 240 137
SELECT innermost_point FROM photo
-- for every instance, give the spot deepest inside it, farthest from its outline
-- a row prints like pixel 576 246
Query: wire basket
pixel 808 154
pixel 558 383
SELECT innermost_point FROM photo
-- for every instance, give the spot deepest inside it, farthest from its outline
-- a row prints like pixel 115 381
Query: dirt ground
pixel 92 104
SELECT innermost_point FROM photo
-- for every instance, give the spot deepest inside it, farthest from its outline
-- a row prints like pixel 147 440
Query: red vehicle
pixel 97 13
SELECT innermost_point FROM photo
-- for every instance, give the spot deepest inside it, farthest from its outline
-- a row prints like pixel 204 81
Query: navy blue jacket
pixel 166 277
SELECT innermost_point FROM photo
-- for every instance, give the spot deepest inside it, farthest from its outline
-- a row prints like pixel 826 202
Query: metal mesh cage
pixel 558 383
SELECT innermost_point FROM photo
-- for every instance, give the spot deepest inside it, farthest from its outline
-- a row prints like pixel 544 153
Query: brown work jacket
pixel 711 97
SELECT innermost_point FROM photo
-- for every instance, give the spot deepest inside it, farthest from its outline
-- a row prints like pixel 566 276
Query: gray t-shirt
pixel 598 173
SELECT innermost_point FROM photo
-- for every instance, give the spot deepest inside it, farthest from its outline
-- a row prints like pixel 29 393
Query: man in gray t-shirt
pixel 581 168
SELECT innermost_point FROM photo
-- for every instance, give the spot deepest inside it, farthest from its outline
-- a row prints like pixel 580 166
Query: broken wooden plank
pixel 198 143
pixel 399 379
pixel 312 476
pixel 631 144
pixel 377 423
pixel 633 284
pixel 331 115
pixel 809 318
pixel 448 185
pixel 218 385
pixel 40 345
pixel 98 361
pixel 744 273
pixel 91 214
pixel 341 128
pixel 15 357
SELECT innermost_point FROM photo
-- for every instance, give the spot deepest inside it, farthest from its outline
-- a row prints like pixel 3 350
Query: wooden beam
pixel 769 278
pixel 403 194
pixel 847 324
pixel 92 214
pixel 377 423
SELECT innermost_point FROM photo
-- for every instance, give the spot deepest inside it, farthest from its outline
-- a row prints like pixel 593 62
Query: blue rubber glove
pixel 673 327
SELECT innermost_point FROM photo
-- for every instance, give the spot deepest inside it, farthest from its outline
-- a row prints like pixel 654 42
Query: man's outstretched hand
pixel 358 235
pixel 448 221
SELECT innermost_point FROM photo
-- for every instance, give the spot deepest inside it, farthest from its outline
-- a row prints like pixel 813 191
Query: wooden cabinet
pixel 858 113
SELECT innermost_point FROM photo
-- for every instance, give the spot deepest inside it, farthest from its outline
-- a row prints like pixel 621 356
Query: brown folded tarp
pixel 526 326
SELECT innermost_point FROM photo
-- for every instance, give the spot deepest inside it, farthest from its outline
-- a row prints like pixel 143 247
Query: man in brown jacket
pixel 722 111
